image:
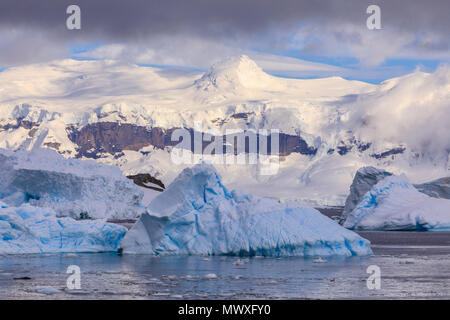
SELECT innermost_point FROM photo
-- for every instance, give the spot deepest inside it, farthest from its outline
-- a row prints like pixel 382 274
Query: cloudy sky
pixel 293 38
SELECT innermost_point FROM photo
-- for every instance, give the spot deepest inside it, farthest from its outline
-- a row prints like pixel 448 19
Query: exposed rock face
pixel 112 137
pixel 388 153
pixel 365 178
pixel 439 188
pixel 20 123
pixel 144 179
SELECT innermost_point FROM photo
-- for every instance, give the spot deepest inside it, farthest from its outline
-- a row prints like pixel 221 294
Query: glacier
pixel 395 204
pixel 71 187
pixel 198 215
pixel 29 230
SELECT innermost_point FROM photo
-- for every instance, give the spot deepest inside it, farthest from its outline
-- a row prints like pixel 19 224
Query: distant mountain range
pixel 125 114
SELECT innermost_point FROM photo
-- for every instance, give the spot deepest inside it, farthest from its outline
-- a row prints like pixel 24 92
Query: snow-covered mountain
pixel 124 115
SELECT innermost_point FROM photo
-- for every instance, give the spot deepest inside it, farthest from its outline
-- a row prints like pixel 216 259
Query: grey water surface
pixel 411 268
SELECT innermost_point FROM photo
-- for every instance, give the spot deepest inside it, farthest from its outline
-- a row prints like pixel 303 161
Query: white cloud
pixel 413 109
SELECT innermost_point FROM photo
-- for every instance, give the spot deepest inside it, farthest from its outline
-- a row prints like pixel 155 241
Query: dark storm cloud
pixel 35 30
pixel 137 19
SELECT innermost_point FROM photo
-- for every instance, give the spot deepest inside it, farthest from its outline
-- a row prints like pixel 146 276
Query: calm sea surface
pixel 413 266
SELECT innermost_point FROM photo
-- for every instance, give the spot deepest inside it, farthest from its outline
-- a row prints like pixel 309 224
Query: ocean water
pixel 408 271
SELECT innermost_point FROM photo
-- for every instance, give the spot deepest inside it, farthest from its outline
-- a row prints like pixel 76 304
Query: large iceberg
pixel 395 204
pixel 198 215
pixel 71 187
pixel 27 229
pixel 365 178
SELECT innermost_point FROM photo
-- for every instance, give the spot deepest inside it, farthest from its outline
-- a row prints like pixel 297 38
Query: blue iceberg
pixel 395 204
pixel 198 215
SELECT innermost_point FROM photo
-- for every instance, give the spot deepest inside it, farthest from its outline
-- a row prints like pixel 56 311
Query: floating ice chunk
pixel 47 290
pixel 395 204
pixel 320 260
pixel 198 215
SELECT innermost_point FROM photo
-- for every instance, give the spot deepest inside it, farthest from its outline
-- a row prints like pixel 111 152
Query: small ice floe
pixel 271 281
pixel 161 294
pixel 320 260
pixel 211 276
pixel 205 259
pixel 191 278
pixel 47 290
pixel 70 255
pixel 238 262
pixel 176 296
pixel 172 277
pixel 239 277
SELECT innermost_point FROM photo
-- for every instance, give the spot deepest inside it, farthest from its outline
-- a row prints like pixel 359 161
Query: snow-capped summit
pixel 234 74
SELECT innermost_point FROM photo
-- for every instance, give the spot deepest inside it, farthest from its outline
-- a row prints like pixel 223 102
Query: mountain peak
pixel 234 73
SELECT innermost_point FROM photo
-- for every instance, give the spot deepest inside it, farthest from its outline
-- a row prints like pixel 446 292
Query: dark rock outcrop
pixel 113 138
pixel 388 153
pixel 144 179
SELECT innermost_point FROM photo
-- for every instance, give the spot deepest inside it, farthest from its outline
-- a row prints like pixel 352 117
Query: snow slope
pixel 352 124
pixel 70 187
pixel 27 229
pixel 394 204
pixel 198 215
